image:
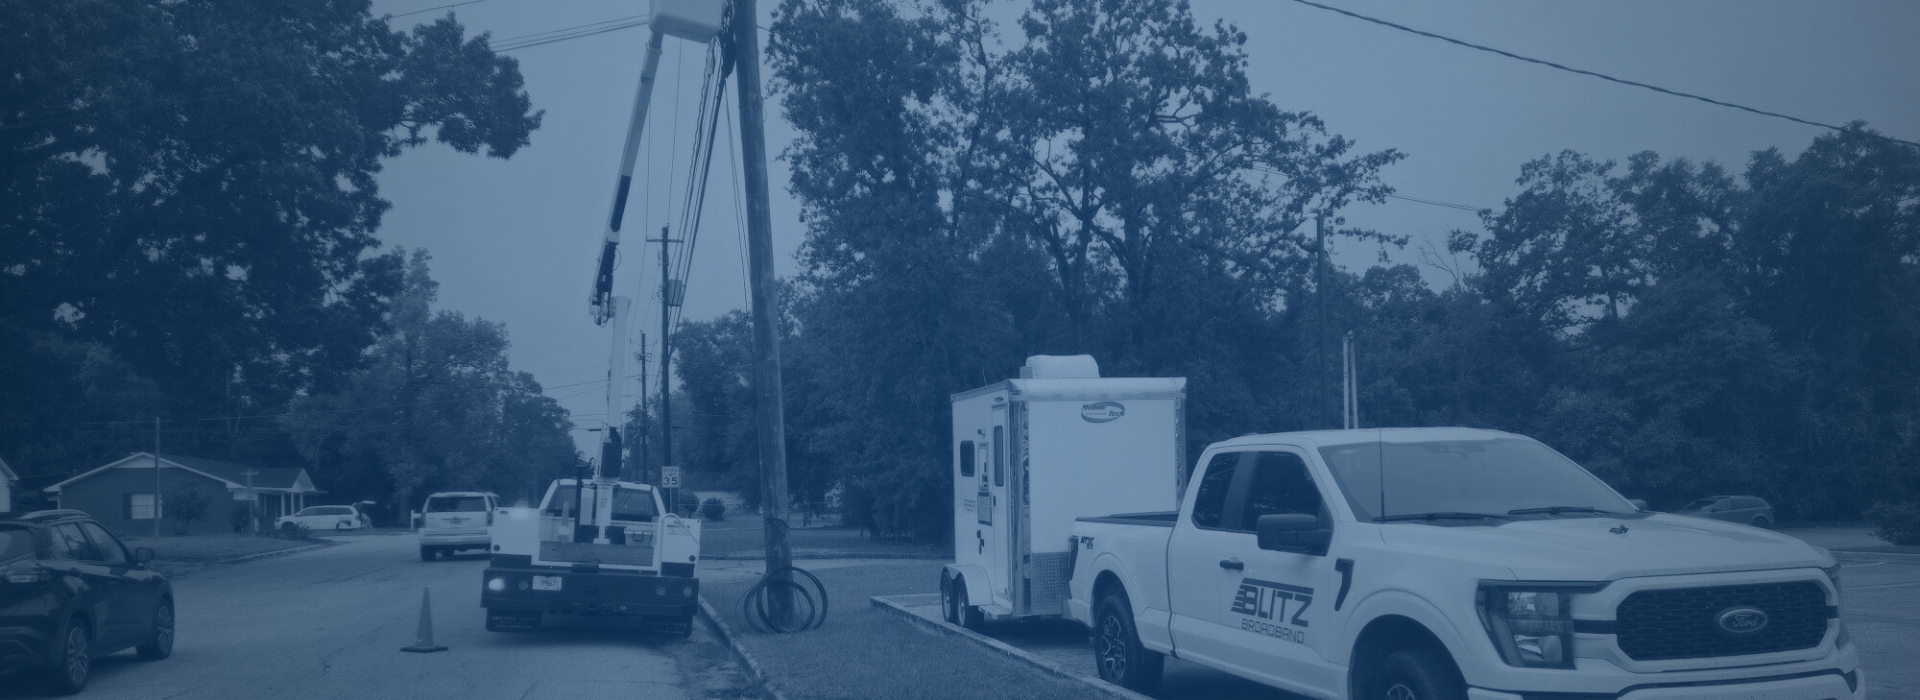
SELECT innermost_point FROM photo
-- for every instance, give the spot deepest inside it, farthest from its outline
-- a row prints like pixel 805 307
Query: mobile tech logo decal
pixel 1102 411
pixel 1267 605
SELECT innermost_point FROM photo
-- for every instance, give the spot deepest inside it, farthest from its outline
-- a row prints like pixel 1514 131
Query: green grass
pixel 862 653
pixel 201 549
pixel 742 536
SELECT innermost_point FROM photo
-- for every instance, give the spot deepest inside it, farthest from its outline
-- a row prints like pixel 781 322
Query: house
pixel 7 479
pixel 121 494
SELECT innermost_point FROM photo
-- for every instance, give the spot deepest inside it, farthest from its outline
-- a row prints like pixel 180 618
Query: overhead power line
pixel 1437 203
pixel 1602 76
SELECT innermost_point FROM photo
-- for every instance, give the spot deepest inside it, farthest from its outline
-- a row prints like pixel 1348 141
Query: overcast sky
pixel 515 241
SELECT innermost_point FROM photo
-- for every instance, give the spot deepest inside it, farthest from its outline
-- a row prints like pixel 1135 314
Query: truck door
pixel 1200 557
pixel 1265 614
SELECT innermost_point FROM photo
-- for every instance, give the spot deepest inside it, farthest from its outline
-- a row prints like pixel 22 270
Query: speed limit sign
pixel 670 477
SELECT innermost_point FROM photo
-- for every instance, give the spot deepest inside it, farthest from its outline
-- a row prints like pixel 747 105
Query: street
pixel 330 623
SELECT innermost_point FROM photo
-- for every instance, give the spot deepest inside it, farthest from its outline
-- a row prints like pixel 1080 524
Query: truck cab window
pixel 1280 484
pixel 1210 504
pixel 966 458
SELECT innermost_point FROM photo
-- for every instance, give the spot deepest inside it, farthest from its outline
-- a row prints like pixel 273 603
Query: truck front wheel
pixel 1117 651
pixel 1418 674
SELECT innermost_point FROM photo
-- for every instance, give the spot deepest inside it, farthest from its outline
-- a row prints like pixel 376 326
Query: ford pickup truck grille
pixel 1688 623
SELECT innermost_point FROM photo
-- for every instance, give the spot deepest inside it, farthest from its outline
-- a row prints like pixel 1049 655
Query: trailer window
pixel 999 456
pixel 1211 502
pixel 966 458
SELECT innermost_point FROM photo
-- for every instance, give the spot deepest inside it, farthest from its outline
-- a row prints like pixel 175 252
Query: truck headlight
pixel 1531 624
pixel 1841 639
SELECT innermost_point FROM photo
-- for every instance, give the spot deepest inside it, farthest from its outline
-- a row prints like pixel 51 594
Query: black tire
pixel 341 526
pixel 1417 674
pixel 426 553
pixel 160 645
pixel 1117 652
pixel 1761 521
pixel 971 616
pixel 949 604
pixel 73 659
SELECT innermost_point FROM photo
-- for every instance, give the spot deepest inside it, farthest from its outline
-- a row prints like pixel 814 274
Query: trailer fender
pixel 975 579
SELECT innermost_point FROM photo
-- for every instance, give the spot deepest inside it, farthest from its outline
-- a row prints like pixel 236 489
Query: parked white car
pixel 455 521
pixel 324 518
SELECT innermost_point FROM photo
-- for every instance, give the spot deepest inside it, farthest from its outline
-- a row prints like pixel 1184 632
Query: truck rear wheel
pixel 1117 650
pixel 1418 674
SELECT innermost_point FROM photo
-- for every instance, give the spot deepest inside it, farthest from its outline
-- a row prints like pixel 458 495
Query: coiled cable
pixel 808 613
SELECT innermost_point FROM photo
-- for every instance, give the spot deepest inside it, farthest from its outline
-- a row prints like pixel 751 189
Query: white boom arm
pixel 642 100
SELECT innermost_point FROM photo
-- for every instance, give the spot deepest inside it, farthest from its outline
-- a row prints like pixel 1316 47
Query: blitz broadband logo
pixel 1273 609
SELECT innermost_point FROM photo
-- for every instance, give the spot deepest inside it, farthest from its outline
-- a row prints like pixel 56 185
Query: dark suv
pixel 70 592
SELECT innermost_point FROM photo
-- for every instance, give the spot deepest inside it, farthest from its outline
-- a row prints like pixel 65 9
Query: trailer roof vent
pixel 1060 367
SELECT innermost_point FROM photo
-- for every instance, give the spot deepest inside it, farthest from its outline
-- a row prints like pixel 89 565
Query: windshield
pixel 628 504
pixel 15 542
pixel 457 504
pixel 1464 476
pixel 1701 504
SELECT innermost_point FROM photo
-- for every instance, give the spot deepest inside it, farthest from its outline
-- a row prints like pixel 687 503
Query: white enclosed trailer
pixel 1032 454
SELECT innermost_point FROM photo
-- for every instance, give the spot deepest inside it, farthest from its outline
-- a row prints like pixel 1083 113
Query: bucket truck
pixel 599 545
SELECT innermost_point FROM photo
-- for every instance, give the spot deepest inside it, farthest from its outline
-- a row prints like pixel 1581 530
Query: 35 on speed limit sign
pixel 670 477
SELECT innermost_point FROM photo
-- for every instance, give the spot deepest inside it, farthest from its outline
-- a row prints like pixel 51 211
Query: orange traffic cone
pixel 423 640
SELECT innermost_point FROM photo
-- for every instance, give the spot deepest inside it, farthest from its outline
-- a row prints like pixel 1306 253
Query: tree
pixel 968 205
pixel 191 185
pixel 435 407
pixel 183 506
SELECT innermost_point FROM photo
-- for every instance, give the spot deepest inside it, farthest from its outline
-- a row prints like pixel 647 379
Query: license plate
pixel 546 583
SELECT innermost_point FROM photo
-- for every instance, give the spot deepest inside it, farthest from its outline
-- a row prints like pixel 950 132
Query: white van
pixel 455 520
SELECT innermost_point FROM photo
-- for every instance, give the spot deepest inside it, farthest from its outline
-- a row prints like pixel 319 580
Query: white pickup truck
pixel 1488 567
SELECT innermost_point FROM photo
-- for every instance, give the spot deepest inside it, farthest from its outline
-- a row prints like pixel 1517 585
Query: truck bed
pixel 1155 519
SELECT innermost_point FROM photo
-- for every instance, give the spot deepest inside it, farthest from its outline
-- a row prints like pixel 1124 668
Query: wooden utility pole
pixel 1320 300
pixel 768 412
pixel 156 477
pixel 667 302
pixel 645 427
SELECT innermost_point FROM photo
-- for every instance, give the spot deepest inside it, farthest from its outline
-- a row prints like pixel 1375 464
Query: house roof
pixel 7 473
pixel 232 475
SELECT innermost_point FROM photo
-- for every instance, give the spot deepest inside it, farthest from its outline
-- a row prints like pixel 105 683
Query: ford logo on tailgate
pixel 1102 411
pixel 1742 620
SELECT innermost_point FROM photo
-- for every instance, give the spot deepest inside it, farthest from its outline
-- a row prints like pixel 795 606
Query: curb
pixel 1850 555
pixel 819 554
pixel 740 653
pixel 1048 667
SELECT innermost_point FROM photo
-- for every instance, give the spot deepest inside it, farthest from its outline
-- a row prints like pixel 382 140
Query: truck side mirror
pixel 1638 503
pixel 1292 532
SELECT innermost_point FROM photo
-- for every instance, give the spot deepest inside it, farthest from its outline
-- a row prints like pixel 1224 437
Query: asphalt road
pixel 329 624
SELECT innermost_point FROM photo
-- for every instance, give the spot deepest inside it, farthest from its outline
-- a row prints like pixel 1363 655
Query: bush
pixel 290 531
pixel 713 509
pixel 685 503
pixel 1898 523
pixel 238 517
pixel 183 506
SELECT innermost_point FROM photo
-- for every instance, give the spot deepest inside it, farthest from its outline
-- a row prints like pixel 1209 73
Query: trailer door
pixel 1000 545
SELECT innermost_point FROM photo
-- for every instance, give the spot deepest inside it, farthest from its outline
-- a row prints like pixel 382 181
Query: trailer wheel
pixel 971 616
pixel 1117 651
pixel 949 604
pixel 426 553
